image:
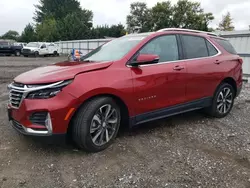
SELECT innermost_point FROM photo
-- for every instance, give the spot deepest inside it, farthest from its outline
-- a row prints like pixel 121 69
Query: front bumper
pixel 58 109
pixel 28 53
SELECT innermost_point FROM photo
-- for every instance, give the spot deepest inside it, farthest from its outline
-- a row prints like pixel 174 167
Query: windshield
pixel 113 50
pixel 32 44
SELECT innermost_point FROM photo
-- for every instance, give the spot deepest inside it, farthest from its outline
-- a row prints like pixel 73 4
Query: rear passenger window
pixel 226 45
pixel 194 47
pixel 165 47
pixel 211 49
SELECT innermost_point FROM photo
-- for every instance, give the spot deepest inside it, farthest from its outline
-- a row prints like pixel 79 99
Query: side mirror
pixel 144 59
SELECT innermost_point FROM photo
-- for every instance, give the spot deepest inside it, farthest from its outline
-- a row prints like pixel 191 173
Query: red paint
pixel 142 89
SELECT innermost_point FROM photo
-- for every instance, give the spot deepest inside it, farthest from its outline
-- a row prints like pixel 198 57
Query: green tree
pixel 12 35
pixel 56 9
pixel 47 30
pixel 139 17
pixel 28 34
pixel 227 23
pixel 108 31
pixel 75 26
pixel 161 15
pixel 187 14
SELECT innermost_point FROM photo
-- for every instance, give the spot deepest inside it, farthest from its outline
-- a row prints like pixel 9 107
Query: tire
pixel 36 54
pixel 17 53
pixel 55 53
pixel 89 119
pixel 25 55
pixel 216 109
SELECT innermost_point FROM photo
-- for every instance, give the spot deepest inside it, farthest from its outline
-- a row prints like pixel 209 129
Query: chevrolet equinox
pixel 128 81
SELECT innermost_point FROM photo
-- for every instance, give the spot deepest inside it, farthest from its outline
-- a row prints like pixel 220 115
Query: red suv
pixel 130 80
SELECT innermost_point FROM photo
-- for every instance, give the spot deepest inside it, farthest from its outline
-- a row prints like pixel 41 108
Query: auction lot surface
pixel 188 150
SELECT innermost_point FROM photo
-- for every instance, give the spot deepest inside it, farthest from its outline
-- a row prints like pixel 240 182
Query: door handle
pixel 217 62
pixel 178 68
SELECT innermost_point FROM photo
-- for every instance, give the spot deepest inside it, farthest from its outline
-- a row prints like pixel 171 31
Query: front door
pixel 43 50
pixel 162 85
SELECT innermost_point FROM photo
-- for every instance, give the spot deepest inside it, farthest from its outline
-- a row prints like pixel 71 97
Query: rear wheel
pixel 55 53
pixel 17 53
pixel 96 124
pixel 223 101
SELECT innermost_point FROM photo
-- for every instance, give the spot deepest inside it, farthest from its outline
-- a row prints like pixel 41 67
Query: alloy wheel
pixel 103 125
pixel 224 100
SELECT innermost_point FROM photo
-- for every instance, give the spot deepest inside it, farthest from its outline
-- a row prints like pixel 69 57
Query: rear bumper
pixel 239 88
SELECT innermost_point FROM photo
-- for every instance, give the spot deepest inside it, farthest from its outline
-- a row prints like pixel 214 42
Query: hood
pixel 30 48
pixel 59 71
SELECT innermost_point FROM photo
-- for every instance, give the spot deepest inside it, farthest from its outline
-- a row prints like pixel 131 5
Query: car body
pixel 7 48
pixel 130 80
pixel 40 49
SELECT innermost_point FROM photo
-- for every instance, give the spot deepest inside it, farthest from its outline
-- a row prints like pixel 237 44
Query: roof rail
pixel 188 30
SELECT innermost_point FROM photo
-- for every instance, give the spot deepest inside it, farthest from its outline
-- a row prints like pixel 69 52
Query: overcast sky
pixel 15 14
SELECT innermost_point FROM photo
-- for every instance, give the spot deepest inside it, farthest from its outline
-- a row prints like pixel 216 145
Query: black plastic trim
pixel 170 111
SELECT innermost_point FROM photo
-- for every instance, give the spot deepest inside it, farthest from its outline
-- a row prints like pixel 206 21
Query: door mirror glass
pixel 144 59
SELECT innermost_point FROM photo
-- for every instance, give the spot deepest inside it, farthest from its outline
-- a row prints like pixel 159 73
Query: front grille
pixel 26 50
pixel 15 98
pixel 38 118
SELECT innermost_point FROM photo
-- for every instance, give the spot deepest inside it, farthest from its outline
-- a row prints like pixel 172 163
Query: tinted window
pixel 194 47
pixel 165 47
pixel 211 49
pixel 226 45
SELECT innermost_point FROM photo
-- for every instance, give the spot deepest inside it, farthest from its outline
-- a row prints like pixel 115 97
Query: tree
pixel 57 9
pixel 139 17
pixel 75 26
pixel 227 23
pixel 47 30
pixel 28 34
pixel 162 15
pixel 108 31
pixel 187 14
pixel 11 35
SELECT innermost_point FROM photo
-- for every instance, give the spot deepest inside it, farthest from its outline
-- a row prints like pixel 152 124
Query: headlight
pixel 48 92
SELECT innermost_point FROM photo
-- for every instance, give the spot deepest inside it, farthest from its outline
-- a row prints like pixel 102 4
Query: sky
pixel 15 14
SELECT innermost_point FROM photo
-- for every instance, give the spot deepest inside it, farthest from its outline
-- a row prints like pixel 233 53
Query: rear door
pixel 157 86
pixel 203 69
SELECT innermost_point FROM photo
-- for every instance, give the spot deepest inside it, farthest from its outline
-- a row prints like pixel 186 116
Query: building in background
pixel 241 42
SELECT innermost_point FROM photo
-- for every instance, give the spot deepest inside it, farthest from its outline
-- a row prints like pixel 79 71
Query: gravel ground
pixel 188 150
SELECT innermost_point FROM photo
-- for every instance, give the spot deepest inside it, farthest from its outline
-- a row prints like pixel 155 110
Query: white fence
pixel 84 46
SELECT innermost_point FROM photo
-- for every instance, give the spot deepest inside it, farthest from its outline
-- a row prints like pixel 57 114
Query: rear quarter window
pixel 226 45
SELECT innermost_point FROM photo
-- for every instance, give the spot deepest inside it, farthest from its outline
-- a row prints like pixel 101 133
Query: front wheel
pixel 96 124
pixel 223 101
pixel 36 54
pixel 17 53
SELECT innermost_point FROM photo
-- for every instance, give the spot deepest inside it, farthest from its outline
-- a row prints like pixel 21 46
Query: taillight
pixel 241 60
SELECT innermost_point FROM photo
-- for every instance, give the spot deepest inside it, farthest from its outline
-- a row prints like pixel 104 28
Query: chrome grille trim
pixel 18 94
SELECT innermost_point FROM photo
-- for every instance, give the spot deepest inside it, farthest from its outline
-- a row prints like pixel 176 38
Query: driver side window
pixel 43 46
pixel 165 47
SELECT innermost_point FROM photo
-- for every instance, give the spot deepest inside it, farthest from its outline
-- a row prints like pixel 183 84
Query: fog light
pixel 48 123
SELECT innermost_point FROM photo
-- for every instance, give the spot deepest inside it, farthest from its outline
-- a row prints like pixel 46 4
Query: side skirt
pixel 170 111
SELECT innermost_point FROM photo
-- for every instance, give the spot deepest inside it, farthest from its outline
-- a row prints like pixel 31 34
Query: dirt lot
pixel 188 150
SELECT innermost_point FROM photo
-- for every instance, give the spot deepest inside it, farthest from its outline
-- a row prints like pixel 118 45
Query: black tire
pixel 25 55
pixel 82 121
pixel 213 109
pixel 55 53
pixel 36 54
pixel 17 53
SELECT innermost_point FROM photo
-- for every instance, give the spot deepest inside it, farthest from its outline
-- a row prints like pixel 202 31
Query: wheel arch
pixel 232 82
pixel 120 102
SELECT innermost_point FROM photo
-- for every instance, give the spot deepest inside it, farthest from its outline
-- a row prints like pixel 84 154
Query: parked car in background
pixel 8 49
pixel 40 49
pixel 20 44
pixel 129 81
